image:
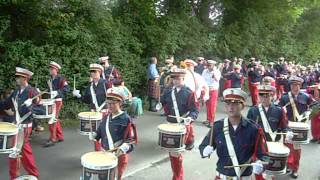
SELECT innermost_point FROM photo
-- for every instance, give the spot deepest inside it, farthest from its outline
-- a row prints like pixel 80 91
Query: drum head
pixel 277 149
pixel 47 101
pixel 90 115
pixel 8 128
pixel 26 177
pixel 174 128
pixel 298 125
pixel 99 160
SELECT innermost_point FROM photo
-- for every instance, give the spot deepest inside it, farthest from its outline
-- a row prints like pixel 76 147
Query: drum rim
pixel 306 125
pixel 47 101
pixel 26 176
pixel 42 116
pixel 96 117
pixel 277 154
pixel 183 131
pixel 94 167
pixel 15 132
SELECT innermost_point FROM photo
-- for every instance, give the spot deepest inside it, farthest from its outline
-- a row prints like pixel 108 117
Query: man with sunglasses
pixel 23 96
pixel 236 139
pixel 95 93
pixel 116 131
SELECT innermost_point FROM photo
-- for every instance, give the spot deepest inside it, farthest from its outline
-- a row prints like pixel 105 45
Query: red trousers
pixel 254 93
pixel 189 137
pixel 315 127
pixel 294 157
pixel 280 90
pixel 227 84
pixel 211 105
pixel 55 128
pixel 122 165
pixel 26 159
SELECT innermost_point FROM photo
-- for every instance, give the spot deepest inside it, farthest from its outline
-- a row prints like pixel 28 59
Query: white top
pixel 208 77
pixel 190 83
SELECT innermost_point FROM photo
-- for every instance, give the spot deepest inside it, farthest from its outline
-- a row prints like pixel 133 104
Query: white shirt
pixel 191 81
pixel 208 77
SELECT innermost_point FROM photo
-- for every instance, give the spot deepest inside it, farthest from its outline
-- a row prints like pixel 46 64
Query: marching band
pixel 266 143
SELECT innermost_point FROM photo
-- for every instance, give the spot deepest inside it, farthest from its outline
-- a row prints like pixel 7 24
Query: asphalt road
pixel 147 161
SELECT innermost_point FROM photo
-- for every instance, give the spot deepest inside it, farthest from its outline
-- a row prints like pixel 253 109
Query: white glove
pixel 257 167
pixel 76 93
pixel 289 136
pixel 207 151
pixel 187 120
pixel 38 90
pixel 28 102
pixel 92 136
pixel 124 147
pixel 206 97
pixel 54 94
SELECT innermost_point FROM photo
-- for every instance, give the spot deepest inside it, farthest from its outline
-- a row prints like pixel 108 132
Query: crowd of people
pixel 283 95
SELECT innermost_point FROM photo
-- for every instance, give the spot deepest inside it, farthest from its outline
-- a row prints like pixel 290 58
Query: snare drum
pixel 99 165
pixel 171 137
pixel 8 137
pixel 89 121
pixel 300 129
pixel 26 177
pixel 278 156
pixel 48 107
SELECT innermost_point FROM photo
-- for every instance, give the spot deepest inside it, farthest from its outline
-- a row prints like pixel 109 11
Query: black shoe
pixel 205 122
pixel 49 144
pixel 314 140
pixel 294 175
pixel 60 140
pixel 288 171
pixel 190 146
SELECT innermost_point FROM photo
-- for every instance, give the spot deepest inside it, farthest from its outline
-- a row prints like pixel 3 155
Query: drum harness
pixel 266 125
pixel 231 150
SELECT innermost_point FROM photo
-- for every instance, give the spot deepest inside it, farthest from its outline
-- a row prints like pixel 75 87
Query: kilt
pixel 153 89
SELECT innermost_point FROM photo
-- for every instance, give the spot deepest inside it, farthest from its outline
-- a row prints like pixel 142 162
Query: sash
pixel 266 125
pixel 175 105
pixel 296 115
pixel 231 151
pixel 196 85
pixel 94 97
pixel 49 82
pixel 110 141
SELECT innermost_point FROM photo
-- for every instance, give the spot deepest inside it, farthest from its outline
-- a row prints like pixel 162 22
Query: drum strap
pixel 230 147
pixel 175 105
pixel 196 85
pixel 110 140
pixel 49 82
pixel 94 97
pixel 296 115
pixel 266 125
pixel 103 75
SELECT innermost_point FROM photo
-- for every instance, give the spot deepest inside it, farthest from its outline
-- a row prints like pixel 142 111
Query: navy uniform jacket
pixel 59 84
pixel 244 140
pixel 235 79
pixel 115 73
pixel 100 90
pixel 306 81
pixel 270 73
pixel 276 118
pixel 120 130
pixel 255 75
pixel 28 92
pixel 185 101
pixel 302 102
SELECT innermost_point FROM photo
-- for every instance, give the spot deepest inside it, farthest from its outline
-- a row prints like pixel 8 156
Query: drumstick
pixel 285 133
pixel 74 82
pixel 115 149
pixel 35 97
pixel 183 118
pixel 244 165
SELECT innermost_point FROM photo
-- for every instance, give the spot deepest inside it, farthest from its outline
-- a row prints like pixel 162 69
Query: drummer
pixel 110 72
pixel 301 104
pixel 116 131
pixel 270 117
pixel 22 95
pixel 180 101
pixel 246 140
pixel 95 93
pixel 59 88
